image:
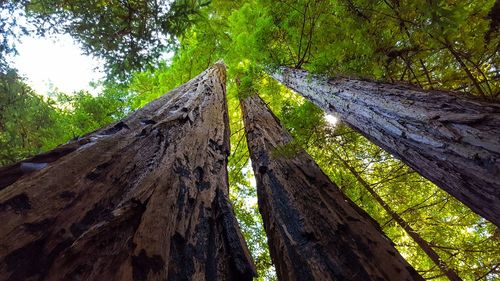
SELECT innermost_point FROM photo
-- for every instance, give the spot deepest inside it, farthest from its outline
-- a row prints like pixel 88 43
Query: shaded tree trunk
pixel 143 199
pixel 314 231
pixel 452 140
pixel 429 251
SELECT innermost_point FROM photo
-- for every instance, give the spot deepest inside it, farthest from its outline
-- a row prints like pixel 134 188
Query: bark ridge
pixel 314 231
pixel 450 139
pixel 145 198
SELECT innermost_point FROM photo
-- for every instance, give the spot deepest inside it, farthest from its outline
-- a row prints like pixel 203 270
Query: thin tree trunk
pixel 449 272
pixel 465 68
pixel 314 231
pixel 452 140
pixel 426 71
pixel 143 199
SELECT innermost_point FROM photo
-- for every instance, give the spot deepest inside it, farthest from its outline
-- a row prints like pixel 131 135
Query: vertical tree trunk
pixel 449 272
pixel 314 232
pixel 143 199
pixel 450 139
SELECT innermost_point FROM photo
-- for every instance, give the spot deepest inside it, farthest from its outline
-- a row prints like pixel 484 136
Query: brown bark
pixel 422 243
pixel 450 139
pixel 143 199
pixel 314 231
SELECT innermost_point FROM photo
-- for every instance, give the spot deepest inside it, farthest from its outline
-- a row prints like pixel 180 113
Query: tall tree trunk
pixel 143 199
pixel 449 272
pixel 314 231
pixel 450 139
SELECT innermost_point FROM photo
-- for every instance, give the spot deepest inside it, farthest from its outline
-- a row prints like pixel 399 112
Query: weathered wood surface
pixel 143 199
pixel 314 231
pixel 450 139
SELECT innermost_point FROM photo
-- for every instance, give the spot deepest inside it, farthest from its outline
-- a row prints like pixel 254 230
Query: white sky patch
pixel 332 120
pixel 248 172
pixel 56 62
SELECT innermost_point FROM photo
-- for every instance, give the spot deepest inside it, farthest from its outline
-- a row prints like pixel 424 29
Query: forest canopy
pixel 448 45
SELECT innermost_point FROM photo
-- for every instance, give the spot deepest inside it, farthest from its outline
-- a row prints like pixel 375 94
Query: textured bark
pixel 314 231
pixel 143 199
pixel 450 139
pixel 426 247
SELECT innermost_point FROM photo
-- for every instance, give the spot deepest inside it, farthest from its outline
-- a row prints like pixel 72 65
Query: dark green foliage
pixel 86 112
pixel 29 124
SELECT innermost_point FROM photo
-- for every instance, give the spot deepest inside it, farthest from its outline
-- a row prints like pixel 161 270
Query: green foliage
pixel 85 112
pixel 448 44
pixel 128 35
pixel 466 242
pixel 10 30
pixel 29 124
pixel 243 196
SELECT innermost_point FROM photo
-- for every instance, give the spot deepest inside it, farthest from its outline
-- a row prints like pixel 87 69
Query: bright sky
pixel 332 120
pixel 56 62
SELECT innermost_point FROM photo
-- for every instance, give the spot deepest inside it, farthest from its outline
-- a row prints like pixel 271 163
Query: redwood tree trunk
pixel 314 231
pixel 422 243
pixel 143 199
pixel 450 139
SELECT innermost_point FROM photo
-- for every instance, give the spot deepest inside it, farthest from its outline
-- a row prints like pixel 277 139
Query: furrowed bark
pixel 422 243
pixel 143 199
pixel 314 231
pixel 452 140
